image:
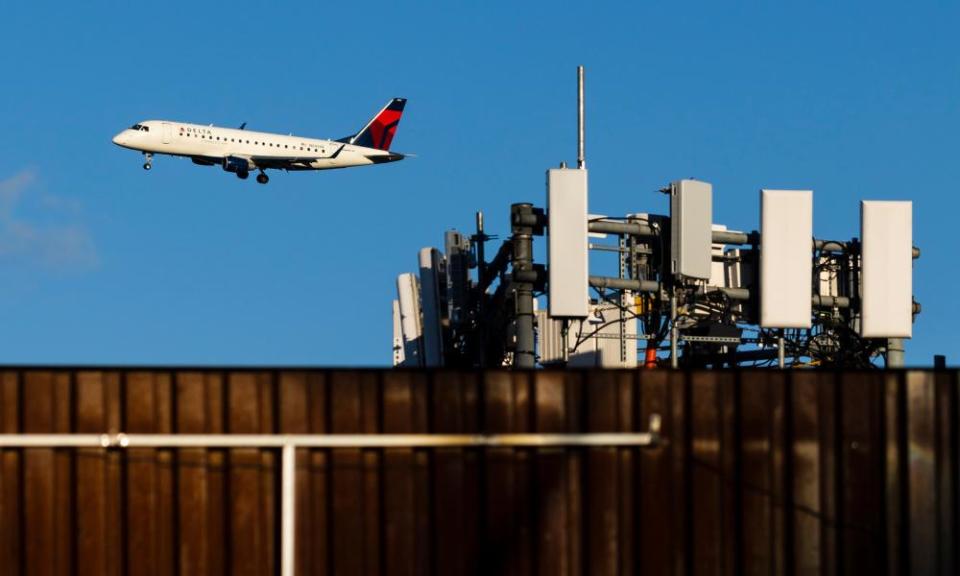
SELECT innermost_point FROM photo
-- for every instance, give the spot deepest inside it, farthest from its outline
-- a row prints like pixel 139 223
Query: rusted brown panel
pixel 552 480
pixel 215 408
pixel 828 394
pixel 895 505
pixel 448 478
pixel 39 513
pixel 268 462
pixel 806 473
pixel 91 514
pixel 38 402
pixel 355 484
pixel 780 540
pixel 47 501
pixel 98 517
pixel 269 470
pixel 316 475
pixel 447 402
pixel 166 475
pixel 602 492
pixel 498 401
pixel 756 445
pixel 731 489
pixel 550 390
pixel 192 481
pixel 399 495
pixel 508 512
pixel 243 400
pixel 627 421
pixel 575 526
pixel 11 561
pixel 472 500
pixel 921 444
pixel 706 474
pixel 246 509
pixel 662 479
pixel 861 473
pixel 295 405
pixel 143 522
pixel 947 469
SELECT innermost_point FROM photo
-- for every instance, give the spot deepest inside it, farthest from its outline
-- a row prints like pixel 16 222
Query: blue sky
pixel 101 262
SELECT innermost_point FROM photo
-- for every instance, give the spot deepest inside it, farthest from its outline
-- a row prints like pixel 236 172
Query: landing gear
pixel 243 175
pixel 149 161
pixel 262 178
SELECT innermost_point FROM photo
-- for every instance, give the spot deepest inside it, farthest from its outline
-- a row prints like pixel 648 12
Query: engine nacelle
pixel 236 165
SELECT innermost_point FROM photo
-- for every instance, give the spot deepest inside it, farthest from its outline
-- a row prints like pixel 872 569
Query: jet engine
pixel 237 165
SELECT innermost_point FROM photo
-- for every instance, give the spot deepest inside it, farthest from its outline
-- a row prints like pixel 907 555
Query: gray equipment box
pixel 691 229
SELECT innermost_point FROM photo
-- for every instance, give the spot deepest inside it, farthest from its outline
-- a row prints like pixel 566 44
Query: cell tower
pixel 688 292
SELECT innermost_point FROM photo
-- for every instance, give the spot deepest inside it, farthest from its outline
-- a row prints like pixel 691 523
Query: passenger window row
pixel 255 142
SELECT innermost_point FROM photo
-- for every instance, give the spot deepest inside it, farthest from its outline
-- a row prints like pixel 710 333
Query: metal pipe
pixel 524 354
pixel 730 237
pixel 781 355
pixel 674 332
pixel 624 284
pixel 288 508
pixel 629 228
pixel 329 441
pixel 895 353
pixel 717 236
pixel 581 157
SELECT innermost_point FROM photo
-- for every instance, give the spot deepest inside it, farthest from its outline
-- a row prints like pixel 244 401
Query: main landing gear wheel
pixel 262 178
pixel 149 161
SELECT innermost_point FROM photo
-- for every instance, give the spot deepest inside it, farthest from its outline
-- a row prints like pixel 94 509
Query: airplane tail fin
pixel 378 133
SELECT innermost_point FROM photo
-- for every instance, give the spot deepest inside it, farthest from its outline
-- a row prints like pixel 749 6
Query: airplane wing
pixel 279 162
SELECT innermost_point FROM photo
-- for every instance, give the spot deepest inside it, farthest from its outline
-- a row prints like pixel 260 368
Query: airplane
pixel 240 151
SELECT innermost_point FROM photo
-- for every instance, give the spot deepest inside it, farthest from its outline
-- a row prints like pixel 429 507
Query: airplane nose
pixel 117 139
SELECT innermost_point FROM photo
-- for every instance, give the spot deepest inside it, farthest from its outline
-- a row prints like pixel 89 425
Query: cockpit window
pixel 145 128
pixel 136 127
pixel 140 128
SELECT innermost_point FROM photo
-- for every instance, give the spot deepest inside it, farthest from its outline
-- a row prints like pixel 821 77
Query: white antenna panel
pixel 691 228
pixel 786 249
pixel 409 297
pixel 567 243
pixel 886 232
pixel 397 336
pixel 430 274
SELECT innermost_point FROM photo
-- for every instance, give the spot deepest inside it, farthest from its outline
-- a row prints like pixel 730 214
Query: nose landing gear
pixel 149 161
pixel 262 178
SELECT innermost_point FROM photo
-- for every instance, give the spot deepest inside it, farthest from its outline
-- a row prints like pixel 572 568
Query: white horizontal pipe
pixel 321 440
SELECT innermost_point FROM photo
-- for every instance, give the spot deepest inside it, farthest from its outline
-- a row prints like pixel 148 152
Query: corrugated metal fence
pixel 761 472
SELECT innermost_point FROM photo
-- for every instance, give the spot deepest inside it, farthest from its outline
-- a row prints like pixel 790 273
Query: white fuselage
pixel 262 149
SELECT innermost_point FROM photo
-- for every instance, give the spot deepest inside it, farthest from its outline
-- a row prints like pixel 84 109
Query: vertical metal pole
pixel 581 158
pixel 623 301
pixel 674 333
pixel 480 338
pixel 288 482
pixel 781 355
pixel 481 240
pixel 524 355
pixel 895 353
